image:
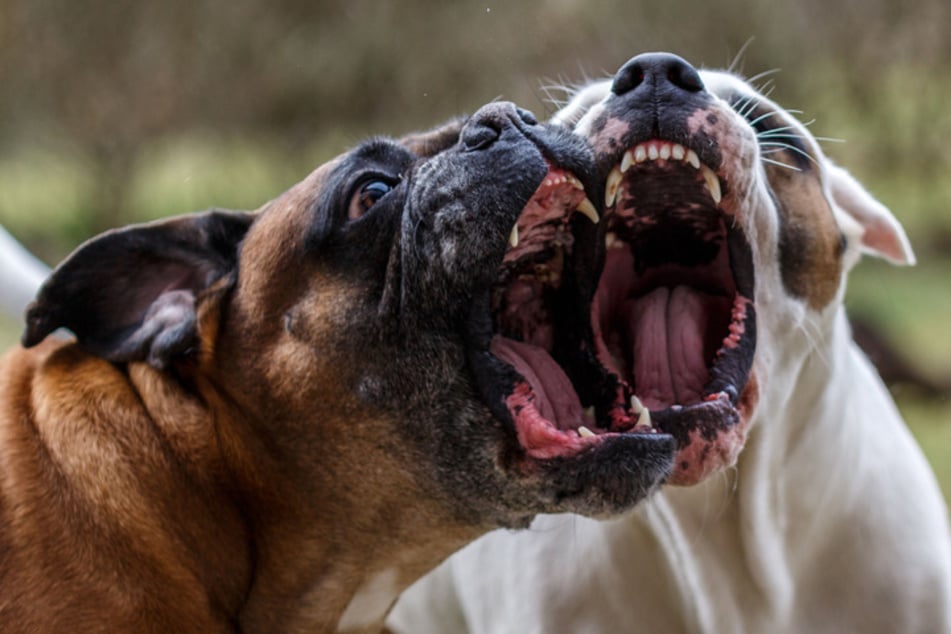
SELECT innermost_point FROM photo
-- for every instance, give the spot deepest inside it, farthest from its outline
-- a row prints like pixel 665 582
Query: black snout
pixel 658 73
pixel 486 125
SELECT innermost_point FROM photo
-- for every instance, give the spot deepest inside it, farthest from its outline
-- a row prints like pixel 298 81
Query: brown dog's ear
pixel 129 294
pixel 432 142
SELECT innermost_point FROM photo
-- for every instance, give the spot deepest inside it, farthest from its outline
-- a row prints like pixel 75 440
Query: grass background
pixel 119 112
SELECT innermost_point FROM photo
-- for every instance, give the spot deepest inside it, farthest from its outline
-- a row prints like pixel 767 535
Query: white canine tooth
pixel 627 161
pixel 636 406
pixel 665 151
pixel 640 154
pixel 575 183
pixel 644 418
pixel 587 208
pixel 584 432
pixel 713 183
pixel 678 152
pixel 652 152
pixel 693 159
pixel 513 236
pixel 611 187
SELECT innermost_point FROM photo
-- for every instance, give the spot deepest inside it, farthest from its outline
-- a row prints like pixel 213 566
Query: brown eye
pixel 367 195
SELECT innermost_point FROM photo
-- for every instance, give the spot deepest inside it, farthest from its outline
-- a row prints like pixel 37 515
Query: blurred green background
pixel 113 112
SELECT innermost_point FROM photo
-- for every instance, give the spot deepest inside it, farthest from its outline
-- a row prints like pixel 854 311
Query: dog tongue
pixel 556 399
pixel 668 327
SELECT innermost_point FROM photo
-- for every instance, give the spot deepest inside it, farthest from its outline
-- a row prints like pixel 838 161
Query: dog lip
pixel 541 440
pixel 567 151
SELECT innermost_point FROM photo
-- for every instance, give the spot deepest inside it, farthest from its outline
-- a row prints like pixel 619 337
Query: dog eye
pixel 368 195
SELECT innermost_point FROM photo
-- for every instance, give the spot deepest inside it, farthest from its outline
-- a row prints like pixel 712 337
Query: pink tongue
pixel 556 399
pixel 668 328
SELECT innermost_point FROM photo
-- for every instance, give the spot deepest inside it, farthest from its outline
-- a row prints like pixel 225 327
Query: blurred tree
pixel 111 77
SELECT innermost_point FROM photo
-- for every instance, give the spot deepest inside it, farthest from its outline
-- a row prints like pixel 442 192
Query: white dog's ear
pixel 881 234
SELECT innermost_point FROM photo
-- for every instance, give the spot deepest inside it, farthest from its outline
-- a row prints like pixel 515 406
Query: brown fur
pixel 260 414
pixel 810 242
pixel 155 496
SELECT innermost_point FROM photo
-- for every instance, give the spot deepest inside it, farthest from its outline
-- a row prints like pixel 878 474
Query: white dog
pixel 20 276
pixel 728 231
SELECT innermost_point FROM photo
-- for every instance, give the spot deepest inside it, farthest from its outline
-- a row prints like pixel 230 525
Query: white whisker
pixel 766 115
pixel 749 104
pixel 791 148
pixel 739 55
pixel 786 132
pixel 765 73
pixel 780 164
pixel 766 87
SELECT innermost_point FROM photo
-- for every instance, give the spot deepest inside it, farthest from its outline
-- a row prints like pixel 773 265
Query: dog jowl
pixel 263 413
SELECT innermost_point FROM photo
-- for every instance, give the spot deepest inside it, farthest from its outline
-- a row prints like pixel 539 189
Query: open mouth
pixel 541 370
pixel 673 315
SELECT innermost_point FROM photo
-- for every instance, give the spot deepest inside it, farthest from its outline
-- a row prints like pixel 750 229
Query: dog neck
pixel 308 584
pixel 801 441
pixel 327 553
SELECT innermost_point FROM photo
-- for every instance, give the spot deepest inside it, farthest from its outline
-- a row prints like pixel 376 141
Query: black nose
pixel 486 125
pixel 658 72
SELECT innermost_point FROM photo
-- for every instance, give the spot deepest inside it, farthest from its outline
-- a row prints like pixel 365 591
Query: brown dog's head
pixel 728 235
pixel 417 306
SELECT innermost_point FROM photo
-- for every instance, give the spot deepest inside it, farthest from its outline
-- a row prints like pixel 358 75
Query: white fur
pixel 831 521
pixel 371 602
pixel 20 276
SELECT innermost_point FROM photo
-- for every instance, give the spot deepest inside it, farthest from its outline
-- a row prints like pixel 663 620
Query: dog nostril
pixel 480 135
pixel 683 75
pixel 628 78
pixel 527 116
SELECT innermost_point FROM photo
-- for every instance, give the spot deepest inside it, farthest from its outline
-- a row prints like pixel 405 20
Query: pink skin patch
pixel 542 223
pixel 737 322
pixel 702 456
pixel 540 439
pixel 542 226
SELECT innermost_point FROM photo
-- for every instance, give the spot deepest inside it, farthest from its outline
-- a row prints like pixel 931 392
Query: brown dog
pixel 276 421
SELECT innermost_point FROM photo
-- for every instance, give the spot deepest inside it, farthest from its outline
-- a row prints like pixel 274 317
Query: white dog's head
pixel 722 217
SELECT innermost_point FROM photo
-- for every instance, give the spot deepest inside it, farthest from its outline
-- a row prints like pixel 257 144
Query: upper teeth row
pixel 560 179
pixel 664 151
pixel 585 207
